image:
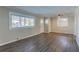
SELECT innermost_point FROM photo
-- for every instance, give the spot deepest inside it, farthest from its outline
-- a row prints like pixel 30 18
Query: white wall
pixel 7 35
pixel 49 24
pixel 68 30
pixel 77 20
pixel 42 25
pixel 77 24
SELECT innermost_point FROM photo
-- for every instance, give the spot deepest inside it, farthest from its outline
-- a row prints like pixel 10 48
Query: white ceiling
pixel 47 10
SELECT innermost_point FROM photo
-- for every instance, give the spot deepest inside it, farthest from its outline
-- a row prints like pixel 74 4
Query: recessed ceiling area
pixel 47 10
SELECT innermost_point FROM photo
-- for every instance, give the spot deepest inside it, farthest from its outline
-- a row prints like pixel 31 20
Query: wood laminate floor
pixel 52 42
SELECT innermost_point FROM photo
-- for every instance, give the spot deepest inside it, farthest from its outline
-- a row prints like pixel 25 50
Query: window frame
pixel 20 15
pixel 58 22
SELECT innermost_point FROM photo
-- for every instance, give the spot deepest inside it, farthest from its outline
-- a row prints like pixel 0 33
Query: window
pixel 29 22
pixel 15 21
pixel 46 21
pixel 20 21
pixel 62 22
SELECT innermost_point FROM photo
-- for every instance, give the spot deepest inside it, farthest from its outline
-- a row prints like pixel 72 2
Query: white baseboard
pixel 29 36
pixel 17 40
pixel 7 42
pixel 64 32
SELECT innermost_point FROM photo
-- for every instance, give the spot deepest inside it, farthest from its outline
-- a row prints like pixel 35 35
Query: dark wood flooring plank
pixel 52 42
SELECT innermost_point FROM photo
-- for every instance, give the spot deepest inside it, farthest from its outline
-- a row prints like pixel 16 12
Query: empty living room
pixel 39 29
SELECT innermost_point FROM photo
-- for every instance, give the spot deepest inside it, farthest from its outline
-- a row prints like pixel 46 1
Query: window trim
pixel 63 25
pixel 20 15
